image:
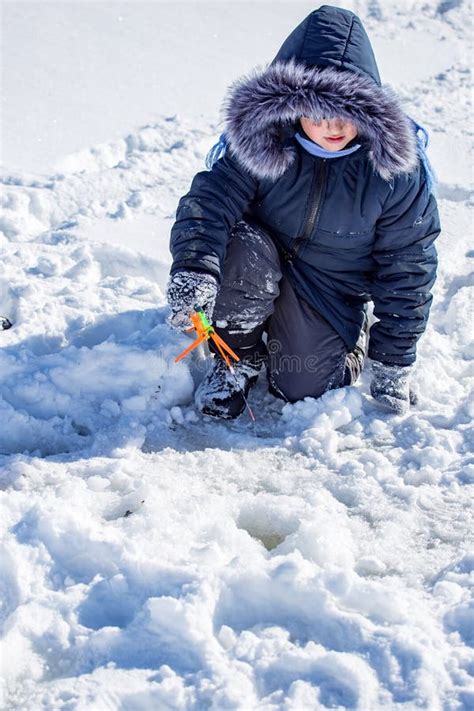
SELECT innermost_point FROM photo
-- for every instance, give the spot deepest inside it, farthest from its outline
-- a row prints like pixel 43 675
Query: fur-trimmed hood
pixel 325 69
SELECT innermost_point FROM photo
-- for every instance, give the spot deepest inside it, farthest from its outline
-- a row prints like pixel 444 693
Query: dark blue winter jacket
pixel 350 229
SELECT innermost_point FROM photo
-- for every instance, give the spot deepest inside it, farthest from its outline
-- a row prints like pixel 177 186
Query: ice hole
pixel 266 524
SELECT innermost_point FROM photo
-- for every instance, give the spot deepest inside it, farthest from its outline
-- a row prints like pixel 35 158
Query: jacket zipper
pixel 313 214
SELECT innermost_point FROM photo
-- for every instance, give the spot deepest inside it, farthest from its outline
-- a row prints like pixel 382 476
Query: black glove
pixel 187 291
pixel 390 386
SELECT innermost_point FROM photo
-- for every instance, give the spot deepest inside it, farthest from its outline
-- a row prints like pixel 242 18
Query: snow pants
pixel 303 353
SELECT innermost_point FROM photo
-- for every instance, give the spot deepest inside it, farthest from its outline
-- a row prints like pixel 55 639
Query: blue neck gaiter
pixel 317 150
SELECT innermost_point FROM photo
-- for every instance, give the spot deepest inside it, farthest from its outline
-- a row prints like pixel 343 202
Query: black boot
pixel 355 360
pixel 222 392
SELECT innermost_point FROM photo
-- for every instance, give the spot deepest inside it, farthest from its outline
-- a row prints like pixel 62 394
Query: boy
pixel 321 203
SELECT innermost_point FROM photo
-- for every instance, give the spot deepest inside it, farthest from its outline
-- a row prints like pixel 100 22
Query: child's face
pixel 332 134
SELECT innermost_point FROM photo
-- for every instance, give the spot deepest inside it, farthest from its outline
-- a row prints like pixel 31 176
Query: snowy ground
pixel 153 559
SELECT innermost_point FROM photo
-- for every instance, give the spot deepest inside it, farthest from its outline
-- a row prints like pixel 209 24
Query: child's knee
pixel 292 383
pixel 254 248
pixel 292 387
pixel 250 278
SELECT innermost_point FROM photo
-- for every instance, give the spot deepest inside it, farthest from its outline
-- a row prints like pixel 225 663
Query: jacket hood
pixel 325 69
pixel 331 37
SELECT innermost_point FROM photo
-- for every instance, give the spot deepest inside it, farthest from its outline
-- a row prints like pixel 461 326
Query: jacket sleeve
pixel 205 216
pixel 405 269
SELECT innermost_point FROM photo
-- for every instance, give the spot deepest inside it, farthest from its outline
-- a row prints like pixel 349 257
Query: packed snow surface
pixel 154 559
